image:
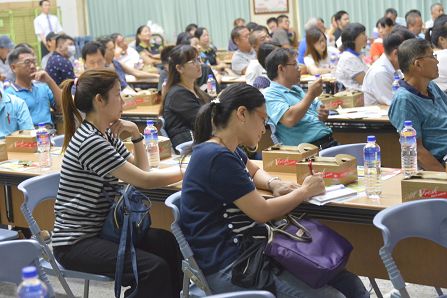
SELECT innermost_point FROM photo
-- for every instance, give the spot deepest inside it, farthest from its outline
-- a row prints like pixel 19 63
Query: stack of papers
pixel 334 193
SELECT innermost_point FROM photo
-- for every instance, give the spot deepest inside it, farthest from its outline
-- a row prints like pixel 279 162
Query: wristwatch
pixel 137 140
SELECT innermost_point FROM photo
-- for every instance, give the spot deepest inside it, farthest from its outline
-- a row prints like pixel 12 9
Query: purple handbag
pixel 308 249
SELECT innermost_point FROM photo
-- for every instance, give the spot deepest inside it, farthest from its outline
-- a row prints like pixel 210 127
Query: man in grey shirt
pixel 281 34
pixel 245 52
pixel 5 47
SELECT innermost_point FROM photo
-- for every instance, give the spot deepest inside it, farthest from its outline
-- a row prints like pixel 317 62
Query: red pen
pixel 311 171
pixel 9 118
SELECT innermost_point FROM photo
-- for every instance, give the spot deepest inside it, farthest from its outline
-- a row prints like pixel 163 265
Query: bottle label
pixel 43 138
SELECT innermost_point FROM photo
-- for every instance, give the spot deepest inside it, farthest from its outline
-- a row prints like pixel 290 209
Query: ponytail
pixel 203 128
pixel 69 111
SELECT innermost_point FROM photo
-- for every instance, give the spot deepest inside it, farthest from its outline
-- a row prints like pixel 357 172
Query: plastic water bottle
pixel 333 61
pixel 395 84
pixel 408 149
pixel 31 286
pixel 151 141
pixel 43 146
pixel 371 153
pixel 211 86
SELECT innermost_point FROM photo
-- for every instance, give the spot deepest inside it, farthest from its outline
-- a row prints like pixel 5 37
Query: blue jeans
pixel 346 284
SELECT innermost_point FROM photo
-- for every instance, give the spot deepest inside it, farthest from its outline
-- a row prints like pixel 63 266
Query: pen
pixel 9 118
pixel 310 167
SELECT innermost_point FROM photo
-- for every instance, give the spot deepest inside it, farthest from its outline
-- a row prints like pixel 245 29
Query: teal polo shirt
pixel 428 114
pixel 14 115
pixel 39 100
pixel 309 129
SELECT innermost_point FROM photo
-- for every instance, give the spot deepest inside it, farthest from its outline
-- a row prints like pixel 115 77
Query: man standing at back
pixel 298 117
pixel 59 66
pixel 436 10
pixel 44 24
pixel 342 20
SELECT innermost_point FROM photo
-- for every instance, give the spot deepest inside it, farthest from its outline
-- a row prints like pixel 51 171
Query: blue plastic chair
pixel 36 190
pixel 398 222
pixel 244 294
pixel 57 141
pixel 6 235
pixel 191 270
pixel 353 149
pixel 18 254
pixel 181 148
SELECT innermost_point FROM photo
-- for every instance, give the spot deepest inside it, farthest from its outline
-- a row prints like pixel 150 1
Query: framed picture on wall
pixel 270 6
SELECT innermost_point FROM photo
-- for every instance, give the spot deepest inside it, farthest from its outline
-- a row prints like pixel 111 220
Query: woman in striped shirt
pixel 95 159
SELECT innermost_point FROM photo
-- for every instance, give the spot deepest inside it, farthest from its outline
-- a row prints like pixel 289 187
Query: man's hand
pixel 323 113
pixel 41 76
pixel 316 88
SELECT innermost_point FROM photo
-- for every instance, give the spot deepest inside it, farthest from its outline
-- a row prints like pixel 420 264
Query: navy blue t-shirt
pixel 210 221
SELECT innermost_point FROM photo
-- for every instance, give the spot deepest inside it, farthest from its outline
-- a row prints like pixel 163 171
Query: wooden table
pixel 144 83
pixel 141 114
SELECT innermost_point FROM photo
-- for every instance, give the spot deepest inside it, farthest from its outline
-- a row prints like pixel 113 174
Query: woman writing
pixel 183 96
pixel 95 159
pixel 219 198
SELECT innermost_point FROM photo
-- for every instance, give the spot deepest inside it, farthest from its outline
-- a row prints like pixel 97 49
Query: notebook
pixel 334 193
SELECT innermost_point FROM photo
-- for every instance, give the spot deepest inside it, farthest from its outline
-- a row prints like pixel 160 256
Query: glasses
pixel 196 61
pixel 296 65
pixel 27 62
pixel 434 56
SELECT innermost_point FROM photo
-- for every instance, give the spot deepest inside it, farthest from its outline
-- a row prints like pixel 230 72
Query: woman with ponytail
pixel 94 160
pixel 219 199
pixel 437 35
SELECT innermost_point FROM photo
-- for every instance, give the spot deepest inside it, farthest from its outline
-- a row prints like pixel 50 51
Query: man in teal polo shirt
pixel 14 114
pixel 299 117
pixel 36 88
pixel 420 100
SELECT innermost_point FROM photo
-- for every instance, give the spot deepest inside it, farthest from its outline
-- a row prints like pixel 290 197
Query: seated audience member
pixel 299 117
pixel 183 96
pixel 384 27
pixel 436 9
pixel 207 50
pixel 257 37
pixel 414 22
pixel 59 66
pixel 191 29
pixel 281 34
pixel 351 69
pixel 262 81
pixel 95 160
pixel 245 52
pixel 36 88
pixel 251 26
pixel 120 68
pixel 220 202
pixel 438 37
pixel 14 114
pixel 51 46
pixel 311 23
pixel 150 53
pixel 317 55
pixel 123 53
pixel 6 46
pixel 182 38
pixel 342 20
pixel 272 24
pixel 392 14
pixel 377 84
pixel 93 55
pixel 239 22
pixel 420 100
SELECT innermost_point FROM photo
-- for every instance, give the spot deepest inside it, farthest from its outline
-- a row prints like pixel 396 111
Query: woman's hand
pixel 313 185
pixel 121 126
pixel 280 188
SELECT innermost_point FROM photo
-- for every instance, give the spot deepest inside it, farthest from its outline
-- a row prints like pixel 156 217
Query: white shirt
pixel 348 67
pixel 441 81
pixel 254 70
pixel 41 25
pixel 429 24
pixel 240 60
pixel 325 63
pixel 131 58
pixel 377 84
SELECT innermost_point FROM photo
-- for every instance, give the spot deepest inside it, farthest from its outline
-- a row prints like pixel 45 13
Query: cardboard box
pixel 283 159
pixel 346 99
pixel 3 152
pixel 341 169
pixel 129 102
pixel 164 146
pixel 22 141
pixel 147 97
pixel 425 185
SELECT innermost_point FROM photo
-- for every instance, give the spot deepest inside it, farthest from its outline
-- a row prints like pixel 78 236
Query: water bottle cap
pixel 371 138
pixel 408 123
pixel 317 76
pixel 41 124
pixel 29 272
pixel 210 76
pixel 149 122
pixel 396 76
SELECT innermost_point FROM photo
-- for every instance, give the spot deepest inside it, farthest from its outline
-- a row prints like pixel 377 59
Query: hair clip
pixel 216 100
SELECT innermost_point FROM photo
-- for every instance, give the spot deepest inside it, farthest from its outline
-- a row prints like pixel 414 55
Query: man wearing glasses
pixel 36 88
pixel 420 100
pixel 297 116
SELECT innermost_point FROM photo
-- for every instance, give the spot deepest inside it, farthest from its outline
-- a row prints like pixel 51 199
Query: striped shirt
pixel 82 204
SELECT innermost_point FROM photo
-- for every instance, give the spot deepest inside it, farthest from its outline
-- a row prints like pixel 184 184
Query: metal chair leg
pixel 375 287
pixel 439 291
pixel 86 287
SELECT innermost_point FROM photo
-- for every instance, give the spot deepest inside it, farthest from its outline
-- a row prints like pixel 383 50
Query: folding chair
pixel 57 141
pixel 355 150
pixel 398 222
pixel 36 190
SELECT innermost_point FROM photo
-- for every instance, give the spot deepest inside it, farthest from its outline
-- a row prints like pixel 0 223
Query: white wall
pixel 69 16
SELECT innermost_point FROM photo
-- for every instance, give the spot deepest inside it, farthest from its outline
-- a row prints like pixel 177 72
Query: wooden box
pixel 283 159
pixel 347 99
pixel 22 141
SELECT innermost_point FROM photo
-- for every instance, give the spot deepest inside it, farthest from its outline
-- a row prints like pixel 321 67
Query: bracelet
pixel 137 140
pixel 270 181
